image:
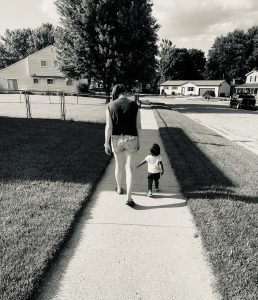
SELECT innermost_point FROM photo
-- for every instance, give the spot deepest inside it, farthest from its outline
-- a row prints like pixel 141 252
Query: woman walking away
pixel 123 131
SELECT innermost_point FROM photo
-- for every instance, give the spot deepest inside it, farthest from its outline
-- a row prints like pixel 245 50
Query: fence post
pixel 77 99
pixel 62 101
pixel 27 101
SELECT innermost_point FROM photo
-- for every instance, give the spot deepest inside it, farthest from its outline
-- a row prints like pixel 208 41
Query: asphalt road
pixel 239 126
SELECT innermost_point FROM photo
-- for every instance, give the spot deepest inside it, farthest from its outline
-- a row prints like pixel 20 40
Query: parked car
pixel 243 101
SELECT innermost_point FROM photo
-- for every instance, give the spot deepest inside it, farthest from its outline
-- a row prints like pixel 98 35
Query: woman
pixel 123 129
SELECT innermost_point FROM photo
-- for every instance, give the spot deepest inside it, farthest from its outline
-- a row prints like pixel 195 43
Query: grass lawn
pixel 48 170
pixel 220 182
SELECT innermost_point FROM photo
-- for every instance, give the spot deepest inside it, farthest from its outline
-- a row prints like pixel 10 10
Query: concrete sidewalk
pixel 147 252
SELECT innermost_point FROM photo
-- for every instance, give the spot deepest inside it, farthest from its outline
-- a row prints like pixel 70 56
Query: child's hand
pixel 161 173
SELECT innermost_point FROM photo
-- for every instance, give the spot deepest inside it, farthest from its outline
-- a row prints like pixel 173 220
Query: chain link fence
pixel 52 105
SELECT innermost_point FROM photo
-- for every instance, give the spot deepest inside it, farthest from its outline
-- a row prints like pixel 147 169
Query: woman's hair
pixel 118 89
pixel 155 150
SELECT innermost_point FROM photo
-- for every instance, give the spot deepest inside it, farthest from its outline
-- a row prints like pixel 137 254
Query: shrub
pixel 83 88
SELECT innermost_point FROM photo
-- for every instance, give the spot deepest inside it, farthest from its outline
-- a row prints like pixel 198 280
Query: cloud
pixel 200 21
pixel 48 8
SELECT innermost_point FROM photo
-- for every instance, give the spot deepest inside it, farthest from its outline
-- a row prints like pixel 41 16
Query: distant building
pixel 38 72
pixel 195 87
pixel 250 85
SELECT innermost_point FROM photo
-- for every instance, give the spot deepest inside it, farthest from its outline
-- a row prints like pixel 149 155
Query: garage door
pixel 202 91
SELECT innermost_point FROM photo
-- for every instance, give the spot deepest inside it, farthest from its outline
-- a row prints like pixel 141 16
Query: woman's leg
pixel 129 168
pixel 119 167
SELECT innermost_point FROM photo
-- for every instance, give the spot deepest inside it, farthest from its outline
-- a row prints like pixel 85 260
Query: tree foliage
pixel 107 40
pixel 19 43
pixel 233 55
pixel 180 63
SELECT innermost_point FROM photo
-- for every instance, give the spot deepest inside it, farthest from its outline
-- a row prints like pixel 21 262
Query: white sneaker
pixel 149 194
pixel 156 190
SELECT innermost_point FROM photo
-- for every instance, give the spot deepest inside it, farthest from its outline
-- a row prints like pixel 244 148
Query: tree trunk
pixel 107 90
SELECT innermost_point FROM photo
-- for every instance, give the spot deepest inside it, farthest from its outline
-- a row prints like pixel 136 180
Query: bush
pixel 83 88
pixel 208 93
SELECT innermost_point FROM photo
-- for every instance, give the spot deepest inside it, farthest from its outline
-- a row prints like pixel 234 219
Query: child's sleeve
pixel 147 158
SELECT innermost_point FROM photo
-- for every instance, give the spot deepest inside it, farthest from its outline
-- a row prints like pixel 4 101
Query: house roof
pixel 251 72
pixel 248 85
pixel 196 82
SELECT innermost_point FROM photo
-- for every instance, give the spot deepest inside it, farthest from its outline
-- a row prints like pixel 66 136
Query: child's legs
pixel 150 181
pixel 156 183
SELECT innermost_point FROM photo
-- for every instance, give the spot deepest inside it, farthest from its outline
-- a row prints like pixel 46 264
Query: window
pixel 174 87
pixel 35 80
pixel 43 63
pixel 50 80
pixel 250 78
pixel 55 63
pixel 255 78
pixel 69 81
pixel 190 88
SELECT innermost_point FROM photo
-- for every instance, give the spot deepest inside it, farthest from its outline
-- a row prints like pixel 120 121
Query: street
pixel 239 126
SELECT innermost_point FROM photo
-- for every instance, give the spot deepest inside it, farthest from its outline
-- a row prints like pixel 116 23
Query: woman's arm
pixel 139 127
pixel 108 131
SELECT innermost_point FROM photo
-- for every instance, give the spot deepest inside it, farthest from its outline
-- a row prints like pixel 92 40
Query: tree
pixel 177 63
pixel 19 43
pixel 107 40
pixel 165 47
pixel 198 57
pixel 231 56
pixel 41 37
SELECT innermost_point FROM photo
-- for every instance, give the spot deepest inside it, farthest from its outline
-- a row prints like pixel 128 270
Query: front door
pixel 183 90
pixel 12 84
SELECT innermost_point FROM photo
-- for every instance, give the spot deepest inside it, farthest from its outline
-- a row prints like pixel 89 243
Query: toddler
pixel 155 168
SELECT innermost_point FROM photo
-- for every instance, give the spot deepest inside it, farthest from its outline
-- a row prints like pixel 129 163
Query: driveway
pixel 239 126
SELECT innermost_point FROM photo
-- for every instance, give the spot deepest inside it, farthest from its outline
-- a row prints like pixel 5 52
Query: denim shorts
pixel 122 143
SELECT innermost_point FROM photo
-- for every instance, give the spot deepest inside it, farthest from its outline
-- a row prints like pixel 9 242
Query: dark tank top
pixel 123 113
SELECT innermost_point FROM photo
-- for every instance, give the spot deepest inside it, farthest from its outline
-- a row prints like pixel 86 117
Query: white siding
pixel 189 89
pixel 17 71
pixel 47 54
pixel 252 77
pixel 224 89
pixel 170 90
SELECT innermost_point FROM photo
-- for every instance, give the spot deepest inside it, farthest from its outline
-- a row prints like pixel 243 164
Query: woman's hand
pixel 107 149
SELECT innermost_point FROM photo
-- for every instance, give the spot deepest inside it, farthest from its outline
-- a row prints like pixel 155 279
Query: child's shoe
pixel 149 194
pixel 156 189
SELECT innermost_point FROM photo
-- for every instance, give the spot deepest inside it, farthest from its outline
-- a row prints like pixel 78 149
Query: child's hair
pixel 118 89
pixel 155 150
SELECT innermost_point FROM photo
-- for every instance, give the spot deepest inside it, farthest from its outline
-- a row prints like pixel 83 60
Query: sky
pixel 187 23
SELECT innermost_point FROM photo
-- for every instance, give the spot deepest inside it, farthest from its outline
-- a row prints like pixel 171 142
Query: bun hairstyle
pixel 118 89
pixel 155 150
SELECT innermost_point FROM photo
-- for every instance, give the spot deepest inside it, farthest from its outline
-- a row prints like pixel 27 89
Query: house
pixel 37 72
pixel 195 87
pixel 250 85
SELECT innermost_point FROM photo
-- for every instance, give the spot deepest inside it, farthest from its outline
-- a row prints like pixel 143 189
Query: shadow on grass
pixel 198 174
pixel 48 171
pixel 208 108
pixel 52 150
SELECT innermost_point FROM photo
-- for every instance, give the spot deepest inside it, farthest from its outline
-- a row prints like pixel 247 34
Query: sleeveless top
pixel 123 113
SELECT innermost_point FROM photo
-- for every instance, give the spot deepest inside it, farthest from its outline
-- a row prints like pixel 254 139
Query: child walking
pixel 155 168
